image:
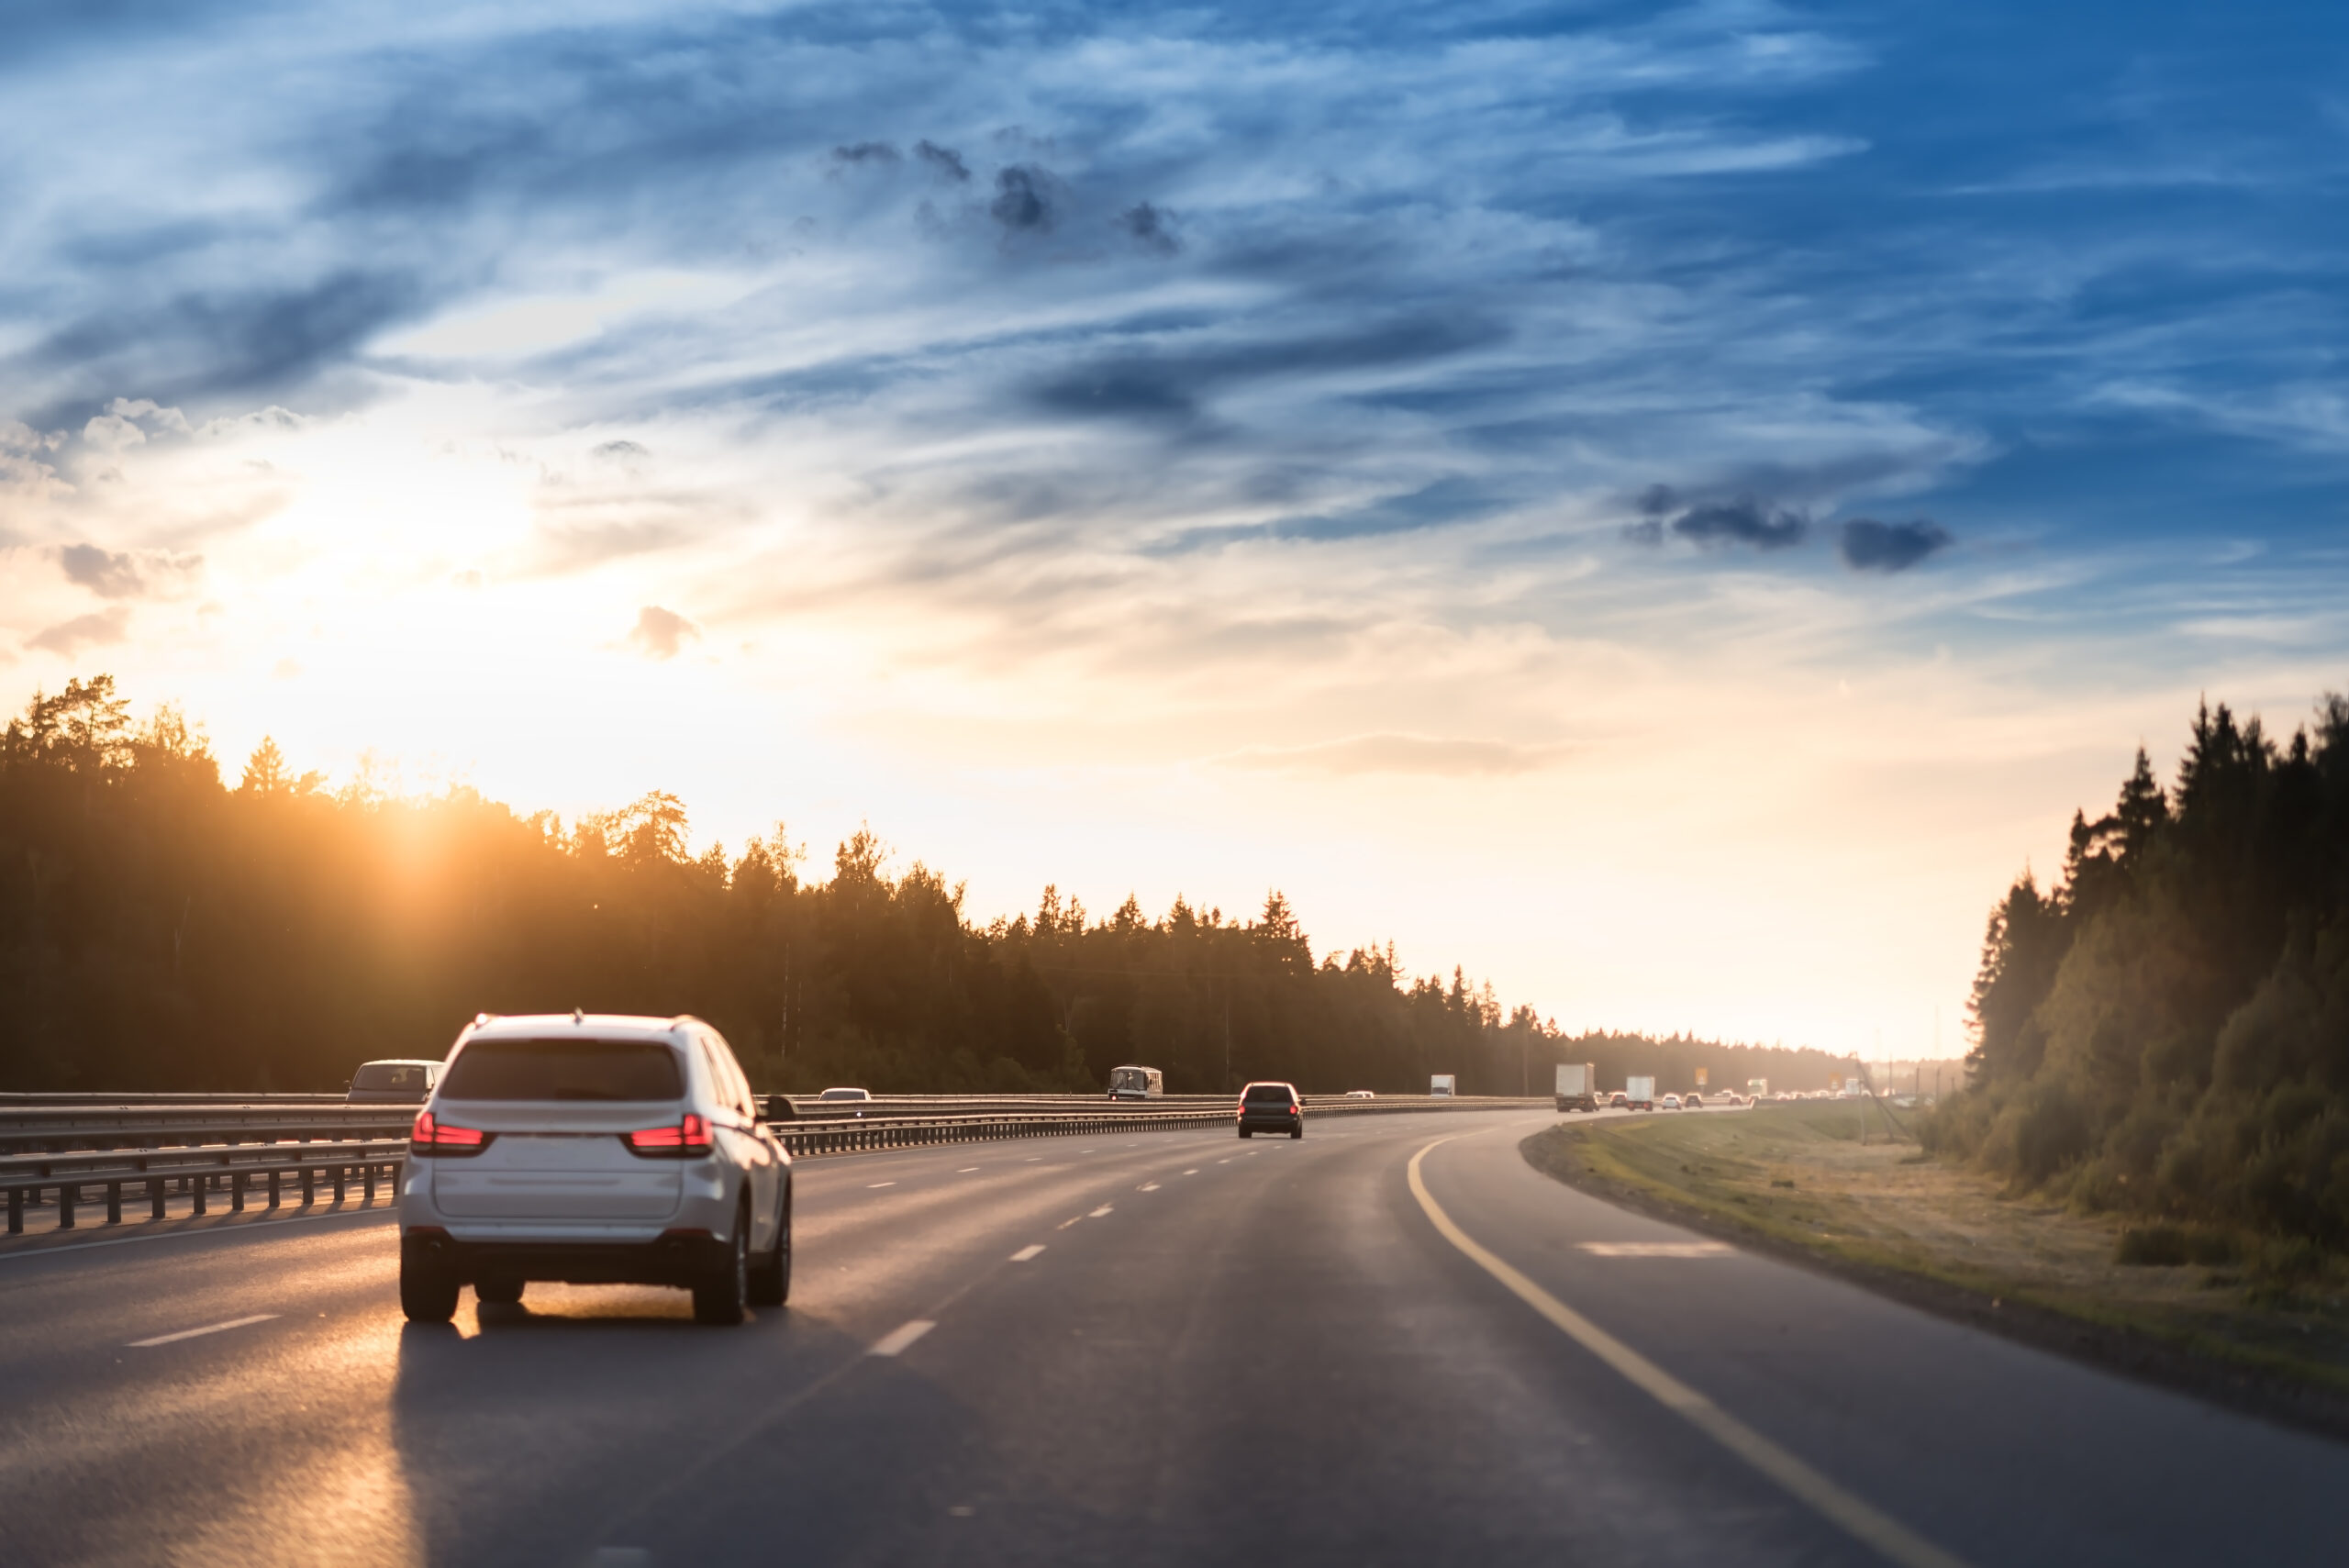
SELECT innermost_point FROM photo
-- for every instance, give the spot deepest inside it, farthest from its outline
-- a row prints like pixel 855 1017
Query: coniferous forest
pixel 164 928
pixel 2167 1029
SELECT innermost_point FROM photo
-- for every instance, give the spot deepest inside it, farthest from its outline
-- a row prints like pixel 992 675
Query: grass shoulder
pixel 1831 1186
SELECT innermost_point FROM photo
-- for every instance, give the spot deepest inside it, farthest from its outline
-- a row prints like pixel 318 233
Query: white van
pixel 1136 1083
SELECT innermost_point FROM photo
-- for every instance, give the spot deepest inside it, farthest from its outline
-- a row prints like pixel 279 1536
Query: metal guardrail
pixel 202 1167
pixel 199 1170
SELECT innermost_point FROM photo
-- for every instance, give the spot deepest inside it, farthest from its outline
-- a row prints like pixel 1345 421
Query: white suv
pixel 598 1151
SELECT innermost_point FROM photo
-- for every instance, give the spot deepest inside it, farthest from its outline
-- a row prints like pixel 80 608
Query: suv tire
pixel 770 1277
pixel 719 1299
pixel 428 1292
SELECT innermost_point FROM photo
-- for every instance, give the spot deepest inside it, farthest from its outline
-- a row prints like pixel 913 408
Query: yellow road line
pixel 1890 1537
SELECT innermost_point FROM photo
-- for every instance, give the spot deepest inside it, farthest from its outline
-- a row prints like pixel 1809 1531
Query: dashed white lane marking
pixel 1027 1252
pixel 898 1340
pixel 1099 1212
pixel 1031 1159
pixel 873 1186
pixel 1066 1223
pixel 1228 1161
pixel 1192 1171
pixel 1147 1187
pixel 210 1329
pixel 966 1169
pixel 1658 1248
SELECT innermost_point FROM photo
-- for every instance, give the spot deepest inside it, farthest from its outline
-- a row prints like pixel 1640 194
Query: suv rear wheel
pixel 720 1297
pixel 770 1277
pixel 427 1291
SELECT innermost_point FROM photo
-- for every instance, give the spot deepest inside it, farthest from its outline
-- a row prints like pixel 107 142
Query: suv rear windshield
pixel 388 1075
pixel 1270 1095
pixel 565 1069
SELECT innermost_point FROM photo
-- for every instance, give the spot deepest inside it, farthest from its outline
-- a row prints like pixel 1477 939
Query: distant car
pixel 1270 1107
pixel 1360 1095
pixel 1671 1102
pixel 1695 1102
pixel 1619 1101
pixel 593 1149
pixel 846 1095
pixel 400 1081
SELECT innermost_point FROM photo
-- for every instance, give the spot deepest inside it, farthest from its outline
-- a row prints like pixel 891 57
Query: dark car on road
pixel 1270 1107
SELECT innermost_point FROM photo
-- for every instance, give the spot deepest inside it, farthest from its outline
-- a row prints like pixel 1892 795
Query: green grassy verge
pixel 1801 1179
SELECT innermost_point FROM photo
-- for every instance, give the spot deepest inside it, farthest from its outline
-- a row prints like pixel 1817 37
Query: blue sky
pixel 1649 502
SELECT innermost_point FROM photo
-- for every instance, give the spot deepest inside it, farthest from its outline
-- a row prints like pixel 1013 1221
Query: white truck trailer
pixel 1440 1084
pixel 1578 1087
pixel 1640 1092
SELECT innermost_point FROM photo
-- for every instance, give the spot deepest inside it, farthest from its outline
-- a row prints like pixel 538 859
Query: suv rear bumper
pixel 675 1257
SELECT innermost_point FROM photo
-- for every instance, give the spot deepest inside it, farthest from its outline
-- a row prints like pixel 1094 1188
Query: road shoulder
pixel 1977 1298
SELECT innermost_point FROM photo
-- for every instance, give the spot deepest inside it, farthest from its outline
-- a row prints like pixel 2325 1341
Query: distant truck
pixel 1640 1092
pixel 1440 1084
pixel 1578 1087
pixel 1758 1088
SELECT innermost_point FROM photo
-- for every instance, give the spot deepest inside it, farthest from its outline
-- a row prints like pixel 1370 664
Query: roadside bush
pixel 2172 1245
pixel 2040 1131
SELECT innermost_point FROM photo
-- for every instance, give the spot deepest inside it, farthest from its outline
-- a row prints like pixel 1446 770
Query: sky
pixel 1670 507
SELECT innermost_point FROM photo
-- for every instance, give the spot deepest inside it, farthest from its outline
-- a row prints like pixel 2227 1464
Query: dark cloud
pixel 110 575
pixel 874 153
pixel 1023 200
pixel 1715 524
pixel 1151 229
pixel 1741 522
pixel 944 160
pixel 99 631
pixel 1170 386
pixel 662 634
pixel 621 451
pixel 244 342
pixel 1867 545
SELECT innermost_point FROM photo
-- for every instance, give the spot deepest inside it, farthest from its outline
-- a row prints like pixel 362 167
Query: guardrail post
pixel 341 1171
pixel 199 1191
pixel 309 1186
pixel 369 1183
pixel 66 1198
pixel 16 1211
pixel 155 1197
pixel 237 1192
pixel 114 1203
pixel 273 1189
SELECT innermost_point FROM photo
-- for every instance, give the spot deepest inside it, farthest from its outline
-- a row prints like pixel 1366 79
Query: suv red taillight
pixel 688 1139
pixel 432 1136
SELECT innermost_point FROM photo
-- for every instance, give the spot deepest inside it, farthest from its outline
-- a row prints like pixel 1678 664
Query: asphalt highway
pixel 1168 1348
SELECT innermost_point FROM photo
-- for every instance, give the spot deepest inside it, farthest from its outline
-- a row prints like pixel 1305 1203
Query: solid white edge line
pixel 1027 1252
pixel 196 1333
pixel 898 1341
pixel 1860 1519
